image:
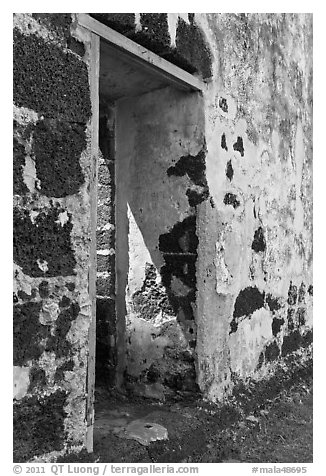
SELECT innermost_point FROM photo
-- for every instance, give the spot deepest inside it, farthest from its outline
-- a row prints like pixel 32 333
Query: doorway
pixel 148 180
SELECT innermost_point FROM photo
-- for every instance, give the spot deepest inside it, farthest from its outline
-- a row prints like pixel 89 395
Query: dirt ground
pixel 268 422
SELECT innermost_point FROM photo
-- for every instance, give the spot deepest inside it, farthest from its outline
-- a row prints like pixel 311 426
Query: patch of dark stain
pixel 19 185
pixel 272 352
pixel 37 379
pixel 192 165
pixel 238 146
pixel 180 266
pixel 65 302
pixel 106 352
pixel 276 326
pixel 24 296
pixel 58 343
pixel 290 319
pixel 59 22
pixel 60 144
pixel 181 238
pixel 183 303
pixel 122 22
pixel 259 242
pixel 59 373
pixel 261 360
pixel 211 201
pixel 38 425
pixel 44 240
pixel 195 198
pixel 311 290
pixel 249 300
pixel 195 168
pixel 302 293
pixel 70 286
pixel 223 104
pixel 15 298
pixel 273 303
pixel 49 80
pixel 76 46
pixel 292 294
pixel 28 333
pixel 43 289
pixel 301 316
pixel 291 343
pixel 223 142
pixel 231 199
pixel 307 338
pixel 153 374
pixel 229 170
pixel 191 45
pixel 155 26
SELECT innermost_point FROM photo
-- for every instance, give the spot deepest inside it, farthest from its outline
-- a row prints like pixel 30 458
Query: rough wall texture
pixel 105 238
pixel 51 235
pixel 254 207
pixel 255 245
pixel 214 199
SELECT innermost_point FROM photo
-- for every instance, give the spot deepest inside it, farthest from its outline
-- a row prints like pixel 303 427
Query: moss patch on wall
pixel 57 147
pixel 45 240
pixel 122 22
pixel 19 162
pixel 191 45
pixel 39 425
pixel 58 343
pixel 48 80
pixel 28 333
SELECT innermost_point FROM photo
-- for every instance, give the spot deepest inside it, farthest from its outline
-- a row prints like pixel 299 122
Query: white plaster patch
pixel 62 218
pixel 24 116
pixel 107 252
pixel 106 227
pixel 137 22
pixel 21 382
pixel 29 174
pixel 172 25
pixel 43 265
pixel 29 26
pixel 161 319
pixel 33 215
pixel 49 312
pixel 248 341
pixel 49 364
pixel 138 256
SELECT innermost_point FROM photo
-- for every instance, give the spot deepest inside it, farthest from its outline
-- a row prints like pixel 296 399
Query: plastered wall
pixel 52 170
pixel 160 180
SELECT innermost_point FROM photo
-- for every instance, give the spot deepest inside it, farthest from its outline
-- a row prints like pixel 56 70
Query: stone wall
pixel 52 308
pixel 105 238
pixel 214 263
pixel 254 224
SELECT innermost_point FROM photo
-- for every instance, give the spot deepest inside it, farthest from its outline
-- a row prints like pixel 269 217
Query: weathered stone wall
pixel 254 228
pixel 52 308
pixel 219 269
pixel 105 241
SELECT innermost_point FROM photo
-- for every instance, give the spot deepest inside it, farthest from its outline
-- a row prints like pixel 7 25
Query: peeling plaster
pixel 21 382
pixel 248 342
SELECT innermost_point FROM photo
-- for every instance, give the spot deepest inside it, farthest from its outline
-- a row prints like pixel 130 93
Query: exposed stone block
pixel 48 80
